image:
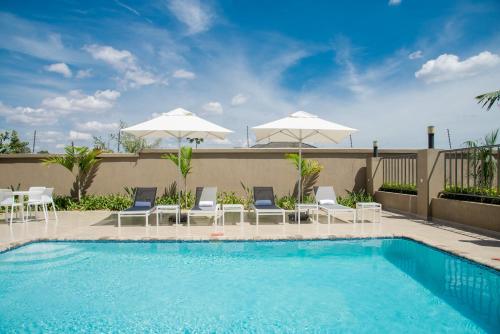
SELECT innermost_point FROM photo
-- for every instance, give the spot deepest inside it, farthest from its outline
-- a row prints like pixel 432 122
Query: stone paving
pixel 102 225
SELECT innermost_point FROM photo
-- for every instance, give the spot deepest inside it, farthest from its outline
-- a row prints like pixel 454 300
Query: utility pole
pixel 34 142
pixel 118 141
pixel 449 139
pixel 350 139
pixel 248 140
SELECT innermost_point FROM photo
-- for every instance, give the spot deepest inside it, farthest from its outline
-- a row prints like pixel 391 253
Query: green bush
pixel 354 197
pixel 472 194
pixel 113 202
pixel 229 197
pixel 408 188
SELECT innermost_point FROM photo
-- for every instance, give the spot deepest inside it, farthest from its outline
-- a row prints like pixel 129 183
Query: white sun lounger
pixel 327 202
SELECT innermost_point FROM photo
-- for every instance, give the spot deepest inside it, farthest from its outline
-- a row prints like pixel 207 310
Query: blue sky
pixel 73 69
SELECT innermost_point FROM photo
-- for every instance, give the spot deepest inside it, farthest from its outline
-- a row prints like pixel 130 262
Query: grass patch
pixel 409 188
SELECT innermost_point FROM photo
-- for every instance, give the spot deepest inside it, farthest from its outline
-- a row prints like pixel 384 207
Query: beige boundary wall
pixel 477 215
pixel 398 202
pixel 345 169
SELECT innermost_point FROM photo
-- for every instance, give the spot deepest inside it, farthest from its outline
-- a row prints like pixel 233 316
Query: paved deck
pixel 102 225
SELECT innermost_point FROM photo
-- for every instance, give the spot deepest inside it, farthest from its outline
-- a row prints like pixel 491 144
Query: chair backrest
pixel 145 197
pixel 6 197
pixel 324 193
pixel 35 193
pixel 205 194
pixel 47 194
pixel 263 194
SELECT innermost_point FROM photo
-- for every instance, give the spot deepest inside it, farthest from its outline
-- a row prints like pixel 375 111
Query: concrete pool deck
pixel 102 225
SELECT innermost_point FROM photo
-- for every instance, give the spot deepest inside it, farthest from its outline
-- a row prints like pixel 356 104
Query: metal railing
pixel 473 171
pixel 400 169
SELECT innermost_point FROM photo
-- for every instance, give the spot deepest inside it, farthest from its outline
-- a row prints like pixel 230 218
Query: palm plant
pixel 82 163
pixel 483 159
pixel 310 173
pixel 197 141
pixel 489 99
pixel 183 163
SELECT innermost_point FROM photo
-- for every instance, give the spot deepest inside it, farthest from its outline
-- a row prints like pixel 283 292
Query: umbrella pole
pixel 180 172
pixel 300 170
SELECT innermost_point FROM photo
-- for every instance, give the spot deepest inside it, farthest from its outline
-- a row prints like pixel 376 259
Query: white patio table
pixel 20 194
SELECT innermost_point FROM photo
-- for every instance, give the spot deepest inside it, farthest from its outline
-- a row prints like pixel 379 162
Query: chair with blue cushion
pixel 143 206
pixel 264 205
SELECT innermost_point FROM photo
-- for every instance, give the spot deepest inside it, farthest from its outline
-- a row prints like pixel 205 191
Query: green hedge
pixel 117 202
pixel 466 194
pixel 409 188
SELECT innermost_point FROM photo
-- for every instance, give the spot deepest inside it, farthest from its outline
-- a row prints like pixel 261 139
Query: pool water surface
pixel 352 286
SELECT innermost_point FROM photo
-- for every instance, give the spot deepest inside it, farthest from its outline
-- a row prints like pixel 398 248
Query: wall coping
pixel 366 151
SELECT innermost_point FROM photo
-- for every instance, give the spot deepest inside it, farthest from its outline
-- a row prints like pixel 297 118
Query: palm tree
pixel 489 99
pixel 81 162
pixel 197 141
pixel 483 159
pixel 185 164
pixel 309 175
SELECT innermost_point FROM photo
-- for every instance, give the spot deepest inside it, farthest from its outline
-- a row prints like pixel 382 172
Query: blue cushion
pixel 263 202
pixel 139 203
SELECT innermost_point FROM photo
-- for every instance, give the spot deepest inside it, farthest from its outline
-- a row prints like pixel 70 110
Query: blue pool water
pixel 356 286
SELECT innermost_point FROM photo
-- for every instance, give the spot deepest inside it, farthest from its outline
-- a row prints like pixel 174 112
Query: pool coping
pixel 441 248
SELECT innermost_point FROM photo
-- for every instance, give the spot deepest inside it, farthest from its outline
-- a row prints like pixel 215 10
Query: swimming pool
pixel 362 286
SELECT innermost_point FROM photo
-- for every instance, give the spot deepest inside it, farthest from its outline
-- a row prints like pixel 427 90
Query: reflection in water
pixel 471 289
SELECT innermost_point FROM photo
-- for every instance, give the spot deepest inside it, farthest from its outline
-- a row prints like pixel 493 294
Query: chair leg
pixel 45 213
pixel 147 220
pixel 55 211
pixel 189 220
pixel 11 214
pixel 119 220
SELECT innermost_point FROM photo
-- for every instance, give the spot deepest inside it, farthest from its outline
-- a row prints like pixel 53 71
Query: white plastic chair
pixel 47 199
pixel 35 200
pixel 7 200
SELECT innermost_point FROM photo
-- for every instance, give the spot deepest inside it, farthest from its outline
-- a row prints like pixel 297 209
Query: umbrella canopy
pixel 302 126
pixel 178 123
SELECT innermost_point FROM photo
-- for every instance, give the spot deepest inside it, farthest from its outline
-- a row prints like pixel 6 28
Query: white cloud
pixel 98 126
pixel 27 115
pixel 415 55
pixel 239 99
pixel 193 14
pixel 124 62
pixel 60 68
pixel 101 100
pixel 82 74
pixel 394 2
pixel 75 135
pixel 213 107
pixel 49 136
pixel 183 74
pixel 448 67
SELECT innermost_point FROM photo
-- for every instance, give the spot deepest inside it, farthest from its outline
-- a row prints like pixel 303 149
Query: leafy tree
pixel 310 174
pixel 11 143
pixel 131 143
pixel 82 163
pixel 197 141
pixel 185 164
pixel 483 159
pixel 489 99
pixel 101 144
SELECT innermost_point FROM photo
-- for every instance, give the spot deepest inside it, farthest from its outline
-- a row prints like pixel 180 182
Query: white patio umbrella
pixel 299 127
pixel 178 123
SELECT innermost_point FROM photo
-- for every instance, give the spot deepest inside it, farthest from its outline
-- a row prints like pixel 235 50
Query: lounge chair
pixel 263 204
pixel 144 204
pixel 327 202
pixel 205 204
